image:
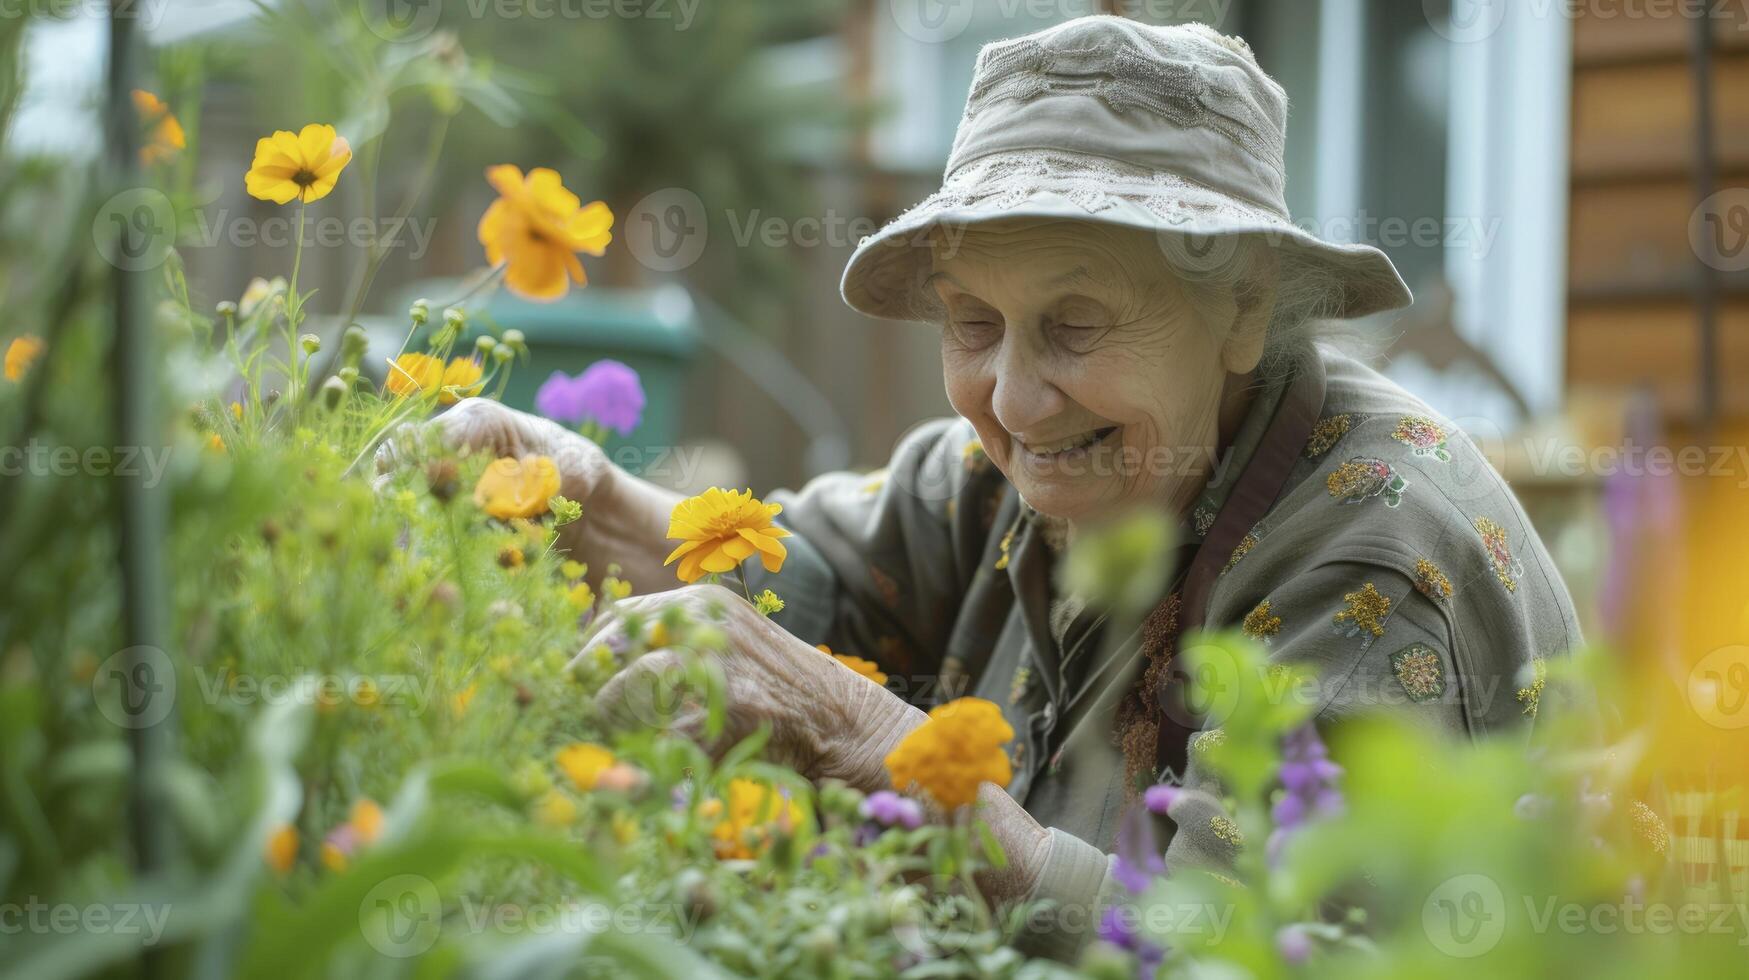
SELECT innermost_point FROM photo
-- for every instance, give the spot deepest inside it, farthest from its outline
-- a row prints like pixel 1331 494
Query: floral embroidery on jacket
pixel 1326 434
pixel 1506 568
pixel 1419 671
pixel 1531 697
pixel 1365 614
pixel 1430 581
pixel 1246 543
pixel 1259 624
pixel 1006 543
pixel 1227 830
pixel 1422 435
pixel 1363 478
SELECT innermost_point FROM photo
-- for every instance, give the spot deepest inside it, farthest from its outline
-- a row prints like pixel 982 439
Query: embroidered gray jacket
pixel 1357 532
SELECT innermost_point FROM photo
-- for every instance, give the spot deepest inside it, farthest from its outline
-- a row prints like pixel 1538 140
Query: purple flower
pixel 1159 798
pixel 1293 944
pixel 889 809
pixel 1135 877
pixel 557 399
pixel 1308 778
pixel 607 393
pixel 612 395
pixel 1117 927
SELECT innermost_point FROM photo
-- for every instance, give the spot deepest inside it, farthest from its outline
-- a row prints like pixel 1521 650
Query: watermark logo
pixel 1194 254
pixel 401 916
pixel 1465 21
pixel 1464 916
pixel 135 229
pixel 932 21
pixel 146 683
pixel 1718 688
pixel 667 230
pixel 401 20
pixel 1718 230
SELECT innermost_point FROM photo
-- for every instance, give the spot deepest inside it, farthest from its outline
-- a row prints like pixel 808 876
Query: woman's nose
pixel 1025 394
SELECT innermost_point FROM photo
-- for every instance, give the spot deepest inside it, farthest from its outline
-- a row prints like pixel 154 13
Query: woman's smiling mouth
pixel 1071 450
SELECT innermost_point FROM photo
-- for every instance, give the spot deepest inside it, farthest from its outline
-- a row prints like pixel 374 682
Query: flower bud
pixel 502 353
pixel 454 316
pixel 485 343
pixel 515 341
pixel 334 393
pixel 353 343
pixel 349 375
pixel 226 309
pixel 420 310
pixel 310 343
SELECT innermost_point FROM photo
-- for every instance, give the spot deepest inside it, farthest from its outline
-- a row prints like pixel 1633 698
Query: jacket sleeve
pixel 879 562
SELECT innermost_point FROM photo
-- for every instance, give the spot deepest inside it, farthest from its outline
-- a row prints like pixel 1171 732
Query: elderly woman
pixel 1127 319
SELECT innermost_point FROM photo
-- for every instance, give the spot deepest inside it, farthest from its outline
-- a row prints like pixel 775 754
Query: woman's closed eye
pixel 974 329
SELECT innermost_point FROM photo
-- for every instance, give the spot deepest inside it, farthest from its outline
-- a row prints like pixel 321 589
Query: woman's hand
pixel 827 721
pixel 625 519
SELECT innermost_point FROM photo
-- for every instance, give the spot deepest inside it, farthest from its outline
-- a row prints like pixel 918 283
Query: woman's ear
pixel 1254 308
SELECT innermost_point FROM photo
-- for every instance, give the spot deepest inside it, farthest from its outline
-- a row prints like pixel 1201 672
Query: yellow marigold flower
pixel 461 379
pixel 718 529
pixel 659 637
pixel 513 488
pixel 866 668
pixel 21 354
pixel 956 750
pixel 615 588
pixel 555 809
pixel 747 823
pixel 282 848
pixel 459 704
pixel 536 226
pixel 164 134
pixel 625 828
pixel 302 165
pixel 367 819
pixel 333 858
pixel 237 411
pixel 215 442
pixel 413 373
pixel 584 763
pixel 582 596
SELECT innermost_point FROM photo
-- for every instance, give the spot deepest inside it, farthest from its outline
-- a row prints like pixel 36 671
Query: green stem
pixel 292 315
pixel 741 570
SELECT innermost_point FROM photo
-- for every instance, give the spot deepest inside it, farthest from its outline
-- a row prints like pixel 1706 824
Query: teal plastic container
pixel 655 331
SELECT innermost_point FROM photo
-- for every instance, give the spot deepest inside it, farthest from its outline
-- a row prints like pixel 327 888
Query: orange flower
pixel 459 703
pixel 164 134
pixel 866 668
pixel 21 354
pixel 719 529
pixel 367 819
pixel 517 487
pixel 958 749
pixel 412 373
pixel 537 226
pixel 755 811
pixel 584 764
pixel 282 848
pixel 303 165
pixel 461 379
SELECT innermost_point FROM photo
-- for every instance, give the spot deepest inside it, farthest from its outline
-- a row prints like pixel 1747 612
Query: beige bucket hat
pixel 1172 129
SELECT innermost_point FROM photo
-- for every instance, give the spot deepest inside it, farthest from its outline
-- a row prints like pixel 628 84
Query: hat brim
pixel 1198 236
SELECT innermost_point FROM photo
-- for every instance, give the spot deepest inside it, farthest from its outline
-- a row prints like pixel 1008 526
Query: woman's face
pixel 1093 383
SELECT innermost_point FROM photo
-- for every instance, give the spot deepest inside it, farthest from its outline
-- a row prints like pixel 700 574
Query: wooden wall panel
pixel 1598 38
pixel 1621 346
pixel 1633 236
pixel 1637 119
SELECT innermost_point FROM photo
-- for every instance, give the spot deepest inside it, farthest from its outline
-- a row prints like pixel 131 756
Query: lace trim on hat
pixel 1125 80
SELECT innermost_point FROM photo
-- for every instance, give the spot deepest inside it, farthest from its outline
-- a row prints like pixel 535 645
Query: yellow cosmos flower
pixel 303 165
pixel 164 134
pixel 555 809
pixel 866 668
pixel 461 379
pixel 582 596
pixel 537 226
pixel 718 529
pixel 755 811
pixel 367 820
pixel 21 354
pixel 462 699
pixel 517 487
pixel 412 373
pixel 584 763
pixel 282 848
pixel 956 750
